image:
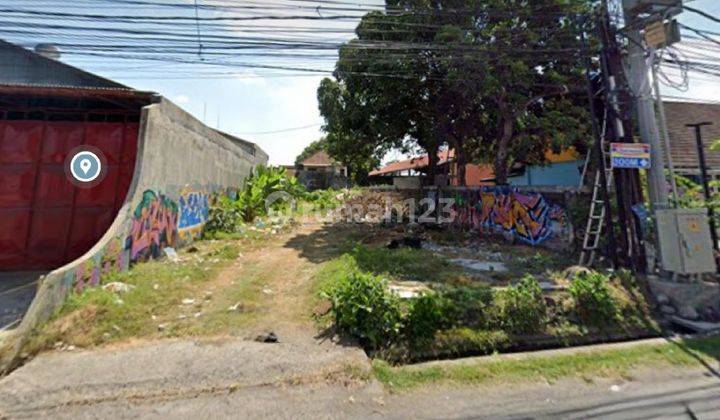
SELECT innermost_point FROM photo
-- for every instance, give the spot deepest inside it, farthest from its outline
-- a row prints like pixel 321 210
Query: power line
pixel 284 130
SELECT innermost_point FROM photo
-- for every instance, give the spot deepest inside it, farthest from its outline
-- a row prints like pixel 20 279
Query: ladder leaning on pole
pixel 596 216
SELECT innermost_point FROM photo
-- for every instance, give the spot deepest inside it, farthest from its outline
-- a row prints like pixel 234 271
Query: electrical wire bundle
pixel 172 39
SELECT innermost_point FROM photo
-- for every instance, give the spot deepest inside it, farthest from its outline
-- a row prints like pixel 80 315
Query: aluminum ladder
pixel 596 217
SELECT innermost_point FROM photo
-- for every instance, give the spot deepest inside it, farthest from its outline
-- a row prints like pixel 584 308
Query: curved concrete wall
pixel 181 164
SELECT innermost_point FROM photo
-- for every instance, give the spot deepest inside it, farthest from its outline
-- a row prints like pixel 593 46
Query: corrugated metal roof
pixel 59 90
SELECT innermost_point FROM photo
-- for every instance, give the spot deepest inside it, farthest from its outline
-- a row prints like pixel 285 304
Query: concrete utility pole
pixel 639 80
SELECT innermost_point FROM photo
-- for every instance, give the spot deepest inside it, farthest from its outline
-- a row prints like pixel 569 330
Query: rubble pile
pixel 375 207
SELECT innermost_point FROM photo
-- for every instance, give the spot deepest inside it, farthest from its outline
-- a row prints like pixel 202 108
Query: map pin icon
pixel 85 165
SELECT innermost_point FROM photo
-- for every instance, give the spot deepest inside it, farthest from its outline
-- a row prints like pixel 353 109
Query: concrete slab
pixel 697 326
pixel 407 289
pixel 17 290
pixel 480 265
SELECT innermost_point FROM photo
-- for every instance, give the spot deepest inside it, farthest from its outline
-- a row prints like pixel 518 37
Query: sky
pixel 267 107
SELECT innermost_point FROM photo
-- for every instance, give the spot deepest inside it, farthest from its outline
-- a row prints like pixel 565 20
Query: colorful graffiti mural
pixel 112 258
pixel 193 207
pixel 526 215
pixel 154 227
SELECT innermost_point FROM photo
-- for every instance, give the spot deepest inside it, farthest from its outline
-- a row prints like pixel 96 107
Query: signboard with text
pixel 630 155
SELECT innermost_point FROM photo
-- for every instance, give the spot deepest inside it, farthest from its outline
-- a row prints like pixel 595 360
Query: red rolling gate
pixel 45 221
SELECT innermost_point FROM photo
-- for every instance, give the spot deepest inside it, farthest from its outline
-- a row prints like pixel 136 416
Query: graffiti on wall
pixel 193 213
pixel 154 227
pixel 112 258
pixel 526 215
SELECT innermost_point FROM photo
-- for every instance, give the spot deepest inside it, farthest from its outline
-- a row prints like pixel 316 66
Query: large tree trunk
pixel 501 156
pixel 460 162
pixel 432 152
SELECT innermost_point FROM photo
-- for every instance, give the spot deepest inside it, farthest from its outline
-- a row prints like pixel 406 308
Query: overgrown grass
pixel 154 307
pixel 587 365
pixel 455 318
pixel 407 264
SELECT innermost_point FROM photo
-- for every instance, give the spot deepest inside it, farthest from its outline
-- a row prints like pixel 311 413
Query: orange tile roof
pixel 419 162
pixel 319 158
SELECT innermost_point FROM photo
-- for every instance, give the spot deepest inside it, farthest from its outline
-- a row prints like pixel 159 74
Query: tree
pixel 515 81
pixel 498 80
pixel 384 95
pixel 311 149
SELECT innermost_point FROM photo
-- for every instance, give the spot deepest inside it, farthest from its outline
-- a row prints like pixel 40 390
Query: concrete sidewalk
pixel 245 379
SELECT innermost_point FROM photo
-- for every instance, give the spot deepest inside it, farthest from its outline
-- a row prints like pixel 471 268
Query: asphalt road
pixel 17 290
pixel 237 378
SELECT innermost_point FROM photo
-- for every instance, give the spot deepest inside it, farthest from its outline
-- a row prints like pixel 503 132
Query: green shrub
pixel 593 299
pixel 522 307
pixel 264 181
pixel 469 306
pixel 425 318
pixel 225 215
pixel 364 308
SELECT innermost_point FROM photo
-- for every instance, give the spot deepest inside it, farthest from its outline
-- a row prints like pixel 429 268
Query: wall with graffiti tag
pixel 174 149
pixel 528 216
pixel 194 207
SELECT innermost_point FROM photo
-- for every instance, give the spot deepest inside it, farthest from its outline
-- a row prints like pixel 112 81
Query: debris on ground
pixel 236 307
pixel 270 337
pixel 171 254
pixel 188 302
pixel 406 242
pixel 408 289
pixel 688 312
pixel 480 265
pixel 574 271
pixel 696 326
pixel 118 287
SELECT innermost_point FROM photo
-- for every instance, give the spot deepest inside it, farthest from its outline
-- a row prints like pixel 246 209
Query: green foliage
pixel 264 181
pixel 403 263
pixel 522 307
pixel 365 309
pixel 497 104
pixel 425 318
pixel 322 199
pixel 691 195
pixel 594 302
pixel 469 306
pixel 225 215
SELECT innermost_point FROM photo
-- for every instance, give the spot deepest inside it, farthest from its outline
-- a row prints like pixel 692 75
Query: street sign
pixel 630 155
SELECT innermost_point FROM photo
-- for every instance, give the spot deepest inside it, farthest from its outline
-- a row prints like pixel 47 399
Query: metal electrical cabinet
pixel 685 242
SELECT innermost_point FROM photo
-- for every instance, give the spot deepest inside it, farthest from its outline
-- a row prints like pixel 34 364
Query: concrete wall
pixel 181 165
pixel 522 214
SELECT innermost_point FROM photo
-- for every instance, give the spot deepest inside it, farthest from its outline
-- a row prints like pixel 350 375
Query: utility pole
pixel 706 187
pixel 599 140
pixel 627 181
pixel 638 78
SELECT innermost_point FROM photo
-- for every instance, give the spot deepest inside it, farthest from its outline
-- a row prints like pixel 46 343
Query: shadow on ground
pixel 332 240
